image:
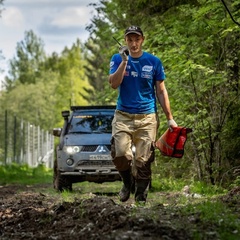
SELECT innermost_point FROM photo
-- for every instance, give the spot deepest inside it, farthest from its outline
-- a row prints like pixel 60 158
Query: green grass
pixel 98 188
pixel 207 210
pixel 22 174
pixel 214 213
pixel 171 184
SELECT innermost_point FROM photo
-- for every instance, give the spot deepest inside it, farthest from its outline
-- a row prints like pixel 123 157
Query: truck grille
pixel 90 148
pixel 93 148
pixel 96 163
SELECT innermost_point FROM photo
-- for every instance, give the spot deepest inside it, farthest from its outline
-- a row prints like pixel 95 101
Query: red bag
pixel 171 143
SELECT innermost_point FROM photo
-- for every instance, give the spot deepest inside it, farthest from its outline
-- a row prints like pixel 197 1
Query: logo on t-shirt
pixel 134 74
pixel 147 68
pixel 146 75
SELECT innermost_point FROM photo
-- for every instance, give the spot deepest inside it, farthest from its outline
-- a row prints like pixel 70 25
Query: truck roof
pixel 74 108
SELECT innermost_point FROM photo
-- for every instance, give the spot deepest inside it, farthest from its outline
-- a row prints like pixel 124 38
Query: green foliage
pixel 196 67
pixel 40 87
pixel 198 44
pixel 72 84
pixel 236 182
pixel 26 65
pixel 100 48
pixel 22 174
pixel 33 102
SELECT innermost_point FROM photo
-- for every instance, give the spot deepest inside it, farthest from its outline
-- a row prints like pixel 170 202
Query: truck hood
pixel 87 139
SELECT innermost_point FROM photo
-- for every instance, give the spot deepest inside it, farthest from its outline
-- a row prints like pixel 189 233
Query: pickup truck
pixel 84 149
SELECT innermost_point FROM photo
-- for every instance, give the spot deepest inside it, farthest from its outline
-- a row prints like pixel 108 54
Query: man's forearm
pixel 165 104
pixel 116 78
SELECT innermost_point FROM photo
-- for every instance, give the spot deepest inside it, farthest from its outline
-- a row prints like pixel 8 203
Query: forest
pixel 198 42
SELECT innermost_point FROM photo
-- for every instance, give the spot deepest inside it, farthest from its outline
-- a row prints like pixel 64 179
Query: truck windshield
pixel 91 124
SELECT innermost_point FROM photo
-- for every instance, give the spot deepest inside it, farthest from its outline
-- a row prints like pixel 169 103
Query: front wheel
pixel 60 182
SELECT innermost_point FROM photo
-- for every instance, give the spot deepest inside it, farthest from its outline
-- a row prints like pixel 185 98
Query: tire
pixel 60 182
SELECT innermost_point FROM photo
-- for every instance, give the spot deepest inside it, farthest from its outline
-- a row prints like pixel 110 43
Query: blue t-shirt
pixel 137 90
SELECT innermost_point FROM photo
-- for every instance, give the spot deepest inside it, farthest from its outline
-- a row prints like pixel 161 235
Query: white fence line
pixel 29 144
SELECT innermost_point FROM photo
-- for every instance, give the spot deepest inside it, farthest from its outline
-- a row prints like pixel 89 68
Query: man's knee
pixel 122 163
pixel 121 160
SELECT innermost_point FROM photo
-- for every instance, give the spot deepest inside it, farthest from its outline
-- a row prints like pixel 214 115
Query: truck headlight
pixel 71 149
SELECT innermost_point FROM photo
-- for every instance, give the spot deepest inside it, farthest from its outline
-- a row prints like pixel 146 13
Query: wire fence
pixel 23 143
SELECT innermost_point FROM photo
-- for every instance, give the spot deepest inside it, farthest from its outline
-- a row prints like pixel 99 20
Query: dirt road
pixel 34 213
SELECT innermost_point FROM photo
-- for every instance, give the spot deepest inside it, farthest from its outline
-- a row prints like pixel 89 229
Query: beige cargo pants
pixel 134 129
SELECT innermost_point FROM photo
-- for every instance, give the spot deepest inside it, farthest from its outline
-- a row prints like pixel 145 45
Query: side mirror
pixel 57 132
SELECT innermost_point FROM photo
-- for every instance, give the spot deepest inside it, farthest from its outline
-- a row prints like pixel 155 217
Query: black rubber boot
pixel 142 186
pixel 133 186
pixel 124 193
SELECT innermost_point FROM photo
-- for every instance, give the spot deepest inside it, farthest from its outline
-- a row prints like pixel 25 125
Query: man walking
pixel 139 77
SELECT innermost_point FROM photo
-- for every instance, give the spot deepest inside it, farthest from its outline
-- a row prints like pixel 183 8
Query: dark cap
pixel 133 29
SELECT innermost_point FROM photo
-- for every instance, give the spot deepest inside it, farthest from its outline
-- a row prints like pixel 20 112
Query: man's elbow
pixel 111 82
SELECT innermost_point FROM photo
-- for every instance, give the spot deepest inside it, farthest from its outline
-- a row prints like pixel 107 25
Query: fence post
pixel 6 138
pixel 28 144
pixel 15 140
pixel 22 142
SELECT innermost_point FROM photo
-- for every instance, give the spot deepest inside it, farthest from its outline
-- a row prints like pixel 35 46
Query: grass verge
pixel 22 174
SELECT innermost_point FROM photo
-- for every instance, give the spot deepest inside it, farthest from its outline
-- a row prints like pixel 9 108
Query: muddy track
pixel 31 213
